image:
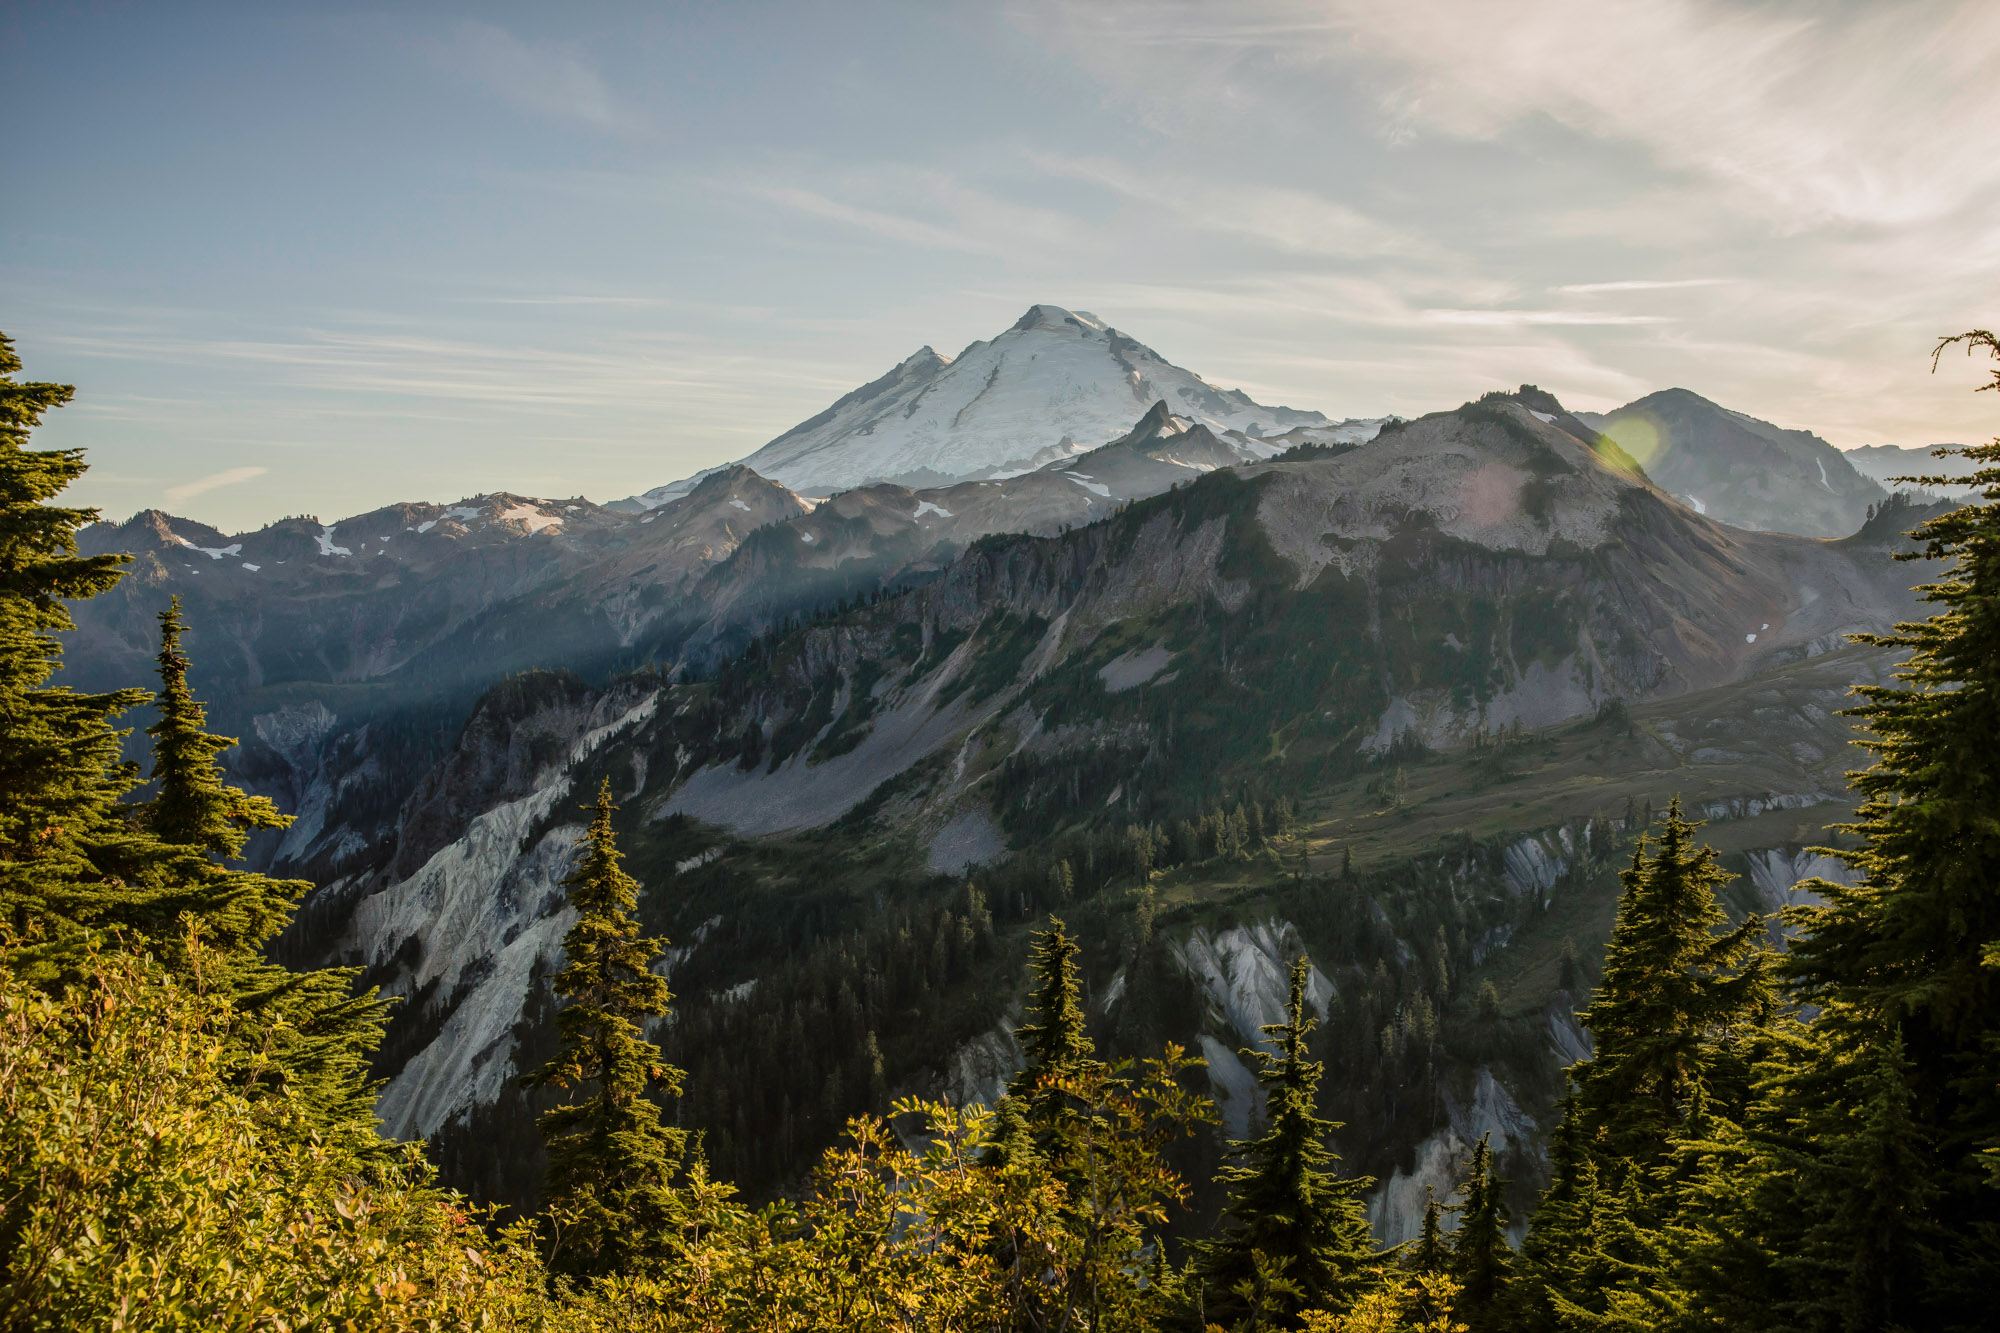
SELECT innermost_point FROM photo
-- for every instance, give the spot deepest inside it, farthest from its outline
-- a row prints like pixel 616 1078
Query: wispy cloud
pixel 890 226
pixel 628 372
pixel 1642 285
pixel 545 78
pixel 1810 112
pixel 933 209
pixel 1287 218
pixel 1577 318
pixel 227 477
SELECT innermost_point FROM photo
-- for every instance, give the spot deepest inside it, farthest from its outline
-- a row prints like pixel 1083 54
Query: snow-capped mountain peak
pixel 1056 384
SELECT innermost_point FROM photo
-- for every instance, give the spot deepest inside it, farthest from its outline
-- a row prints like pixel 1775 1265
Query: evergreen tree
pixel 1055 1047
pixel 1909 959
pixel 308 1031
pixel 1676 993
pixel 1479 1255
pixel 1876 1195
pixel 1677 1018
pixel 195 809
pixel 67 858
pixel 1432 1253
pixel 1289 1213
pixel 611 1161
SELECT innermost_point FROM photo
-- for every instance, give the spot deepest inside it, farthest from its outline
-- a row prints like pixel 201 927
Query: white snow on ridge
pixel 1056 384
pixel 1096 487
pixel 530 517
pixel 926 507
pixel 325 540
pixel 212 552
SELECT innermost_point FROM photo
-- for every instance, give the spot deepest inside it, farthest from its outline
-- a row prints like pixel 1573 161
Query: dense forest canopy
pixel 1798 1141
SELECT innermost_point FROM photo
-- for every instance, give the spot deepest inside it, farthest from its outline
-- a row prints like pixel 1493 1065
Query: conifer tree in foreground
pixel 1054 1049
pixel 1480 1258
pixel 1676 994
pixel 1676 1020
pixel 308 1030
pixel 1082 1142
pixel 65 856
pixel 1431 1253
pixel 1290 1216
pixel 1899 1085
pixel 611 1161
pixel 192 805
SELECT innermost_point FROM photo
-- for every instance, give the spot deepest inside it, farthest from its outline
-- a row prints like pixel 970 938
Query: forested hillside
pixel 1141 926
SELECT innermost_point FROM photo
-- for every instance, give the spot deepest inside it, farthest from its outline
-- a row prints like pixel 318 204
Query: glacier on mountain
pixel 1057 384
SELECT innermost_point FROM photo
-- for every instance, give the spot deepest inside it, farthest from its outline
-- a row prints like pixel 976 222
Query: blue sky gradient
pixel 313 259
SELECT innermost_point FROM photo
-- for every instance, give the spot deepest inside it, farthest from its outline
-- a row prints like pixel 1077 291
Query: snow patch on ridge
pixel 530 517
pixel 212 552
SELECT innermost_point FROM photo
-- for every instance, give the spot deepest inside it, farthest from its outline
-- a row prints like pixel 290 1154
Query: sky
pixel 313 259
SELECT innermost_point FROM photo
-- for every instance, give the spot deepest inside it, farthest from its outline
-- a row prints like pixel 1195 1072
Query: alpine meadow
pixel 1050 842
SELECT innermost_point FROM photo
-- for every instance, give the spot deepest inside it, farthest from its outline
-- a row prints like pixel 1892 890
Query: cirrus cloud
pixel 227 477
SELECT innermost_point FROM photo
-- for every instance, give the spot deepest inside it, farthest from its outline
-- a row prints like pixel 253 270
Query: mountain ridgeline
pixel 1175 624
pixel 848 826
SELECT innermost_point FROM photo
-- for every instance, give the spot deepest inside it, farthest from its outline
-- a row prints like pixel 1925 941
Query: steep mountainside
pixel 1740 470
pixel 345 654
pixel 1054 385
pixel 1401 705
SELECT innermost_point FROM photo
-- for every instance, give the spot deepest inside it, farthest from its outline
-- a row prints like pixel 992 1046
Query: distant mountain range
pixel 1056 590
pixel 1887 462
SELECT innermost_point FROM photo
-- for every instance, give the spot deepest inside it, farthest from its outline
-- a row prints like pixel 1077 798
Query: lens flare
pixel 1639 437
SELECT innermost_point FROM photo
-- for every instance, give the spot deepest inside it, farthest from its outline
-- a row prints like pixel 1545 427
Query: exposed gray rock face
pixel 1396 1209
pixel 977 1073
pixel 464 928
pixel 968 839
pixel 1245 971
pixel 1780 873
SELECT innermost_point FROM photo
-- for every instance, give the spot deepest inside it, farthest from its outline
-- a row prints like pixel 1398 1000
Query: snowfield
pixel 1057 384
